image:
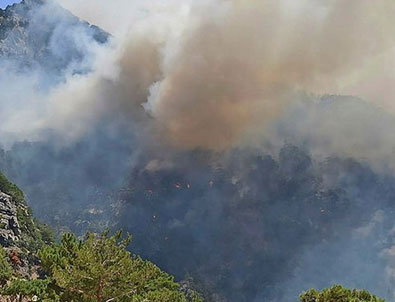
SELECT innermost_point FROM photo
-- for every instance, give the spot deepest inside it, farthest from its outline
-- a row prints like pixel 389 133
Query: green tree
pixel 338 294
pixel 20 288
pixel 100 269
pixel 11 189
pixel 5 267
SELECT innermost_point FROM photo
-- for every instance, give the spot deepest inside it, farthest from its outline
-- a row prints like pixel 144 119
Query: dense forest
pixel 99 268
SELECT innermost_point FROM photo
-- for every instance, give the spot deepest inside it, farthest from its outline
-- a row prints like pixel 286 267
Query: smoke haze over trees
pixel 215 132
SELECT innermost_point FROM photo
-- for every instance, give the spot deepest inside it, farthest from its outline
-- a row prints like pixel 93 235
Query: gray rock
pixel 9 226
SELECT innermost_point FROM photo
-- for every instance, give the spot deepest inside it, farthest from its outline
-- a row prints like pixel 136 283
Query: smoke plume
pixel 223 70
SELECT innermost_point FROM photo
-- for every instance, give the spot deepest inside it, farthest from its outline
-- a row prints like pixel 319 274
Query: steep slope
pixel 44 43
pixel 20 234
pixel 96 268
pixel 246 227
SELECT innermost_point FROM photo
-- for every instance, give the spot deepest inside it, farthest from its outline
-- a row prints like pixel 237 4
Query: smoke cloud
pixel 222 70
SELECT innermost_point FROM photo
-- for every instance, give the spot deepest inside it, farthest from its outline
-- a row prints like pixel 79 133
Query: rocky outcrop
pixel 9 227
pixel 11 236
pixel 20 235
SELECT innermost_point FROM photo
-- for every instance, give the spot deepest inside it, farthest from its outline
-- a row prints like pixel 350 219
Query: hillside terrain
pixel 33 267
pixel 20 234
pixel 48 47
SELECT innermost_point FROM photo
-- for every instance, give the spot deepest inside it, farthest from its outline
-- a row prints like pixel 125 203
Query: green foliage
pixel 96 269
pixel 9 188
pixel 34 234
pixel 338 294
pixel 5 267
pixel 31 288
pixel 99 268
pixel 46 233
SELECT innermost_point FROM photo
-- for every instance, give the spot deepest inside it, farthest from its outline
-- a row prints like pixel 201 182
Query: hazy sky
pixel 4 3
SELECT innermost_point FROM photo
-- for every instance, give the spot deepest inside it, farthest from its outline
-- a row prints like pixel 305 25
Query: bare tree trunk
pixel 99 295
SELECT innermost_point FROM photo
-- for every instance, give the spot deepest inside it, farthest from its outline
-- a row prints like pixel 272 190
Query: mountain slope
pixel 31 36
pixel 20 234
pixel 96 268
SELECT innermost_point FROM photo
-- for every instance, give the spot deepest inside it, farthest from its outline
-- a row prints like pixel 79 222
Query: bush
pixel 5 267
pixel 30 288
pixel 9 188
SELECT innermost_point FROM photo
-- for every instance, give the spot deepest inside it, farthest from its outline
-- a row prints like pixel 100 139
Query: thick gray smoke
pixel 200 127
pixel 211 79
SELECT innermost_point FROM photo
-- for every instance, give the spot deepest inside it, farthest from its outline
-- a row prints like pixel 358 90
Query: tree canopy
pixel 338 293
pixel 97 268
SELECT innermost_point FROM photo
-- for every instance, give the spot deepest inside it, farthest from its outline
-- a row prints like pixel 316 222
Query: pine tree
pixel 100 269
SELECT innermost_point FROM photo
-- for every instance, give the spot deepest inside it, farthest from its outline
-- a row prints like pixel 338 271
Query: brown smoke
pixel 207 76
pixel 239 69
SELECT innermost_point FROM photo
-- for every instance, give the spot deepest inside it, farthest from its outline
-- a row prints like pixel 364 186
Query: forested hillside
pixel 97 268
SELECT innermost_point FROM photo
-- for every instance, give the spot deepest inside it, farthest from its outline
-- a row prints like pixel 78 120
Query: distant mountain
pixel 40 37
pixel 31 36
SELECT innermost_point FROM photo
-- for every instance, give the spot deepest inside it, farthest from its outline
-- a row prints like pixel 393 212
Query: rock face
pixel 11 236
pixel 9 227
pixel 20 235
